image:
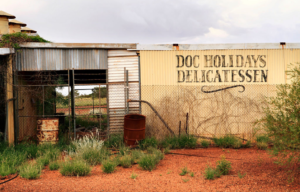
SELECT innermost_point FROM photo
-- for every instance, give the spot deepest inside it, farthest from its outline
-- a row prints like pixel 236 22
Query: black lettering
pixel 248 60
pixel 194 61
pixel 223 61
pixel 217 61
pixel 237 61
pixel 226 75
pixel 248 75
pixel 218 76
pixel 187 61
pixel 264 77
pixel 188 75
pixel 232 75
pixel 255 60
pixel 242 75
pixel 178 60
pixel 207 76
pixel 263 62
pixel 195 76
pixel 183 76
pixel 230 60
pixel 203 76
pixel 255 75
pixel 206 60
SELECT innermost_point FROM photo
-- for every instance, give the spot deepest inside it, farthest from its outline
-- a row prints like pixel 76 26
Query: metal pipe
pixel 140 95
pixel 107 104
pixel 127 93
pixel 142 101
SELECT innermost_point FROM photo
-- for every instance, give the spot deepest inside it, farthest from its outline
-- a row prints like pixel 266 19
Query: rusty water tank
pixel 134 128
pixel 47 130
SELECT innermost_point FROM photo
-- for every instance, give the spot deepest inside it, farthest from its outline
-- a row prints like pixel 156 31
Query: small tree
pixel 282 120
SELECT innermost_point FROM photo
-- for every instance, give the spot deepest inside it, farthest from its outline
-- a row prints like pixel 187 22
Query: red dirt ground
pixel 261 175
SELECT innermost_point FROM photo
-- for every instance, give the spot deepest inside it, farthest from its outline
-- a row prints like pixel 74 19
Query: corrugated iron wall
pixel 39 59
pixel 118 60
pixel 210 114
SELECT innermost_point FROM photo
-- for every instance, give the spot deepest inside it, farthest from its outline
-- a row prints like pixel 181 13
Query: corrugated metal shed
pixel 61 59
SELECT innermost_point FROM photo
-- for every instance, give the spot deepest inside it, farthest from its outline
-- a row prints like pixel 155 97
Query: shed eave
pixel 144 47
pixel 6 51
pixel 80 45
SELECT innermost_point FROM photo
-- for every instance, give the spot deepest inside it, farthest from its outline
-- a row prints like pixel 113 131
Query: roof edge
pixel 158 47
pixel 80 45
pixel 6 51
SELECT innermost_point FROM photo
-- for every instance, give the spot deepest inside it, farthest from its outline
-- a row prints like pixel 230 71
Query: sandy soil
pixel 261 174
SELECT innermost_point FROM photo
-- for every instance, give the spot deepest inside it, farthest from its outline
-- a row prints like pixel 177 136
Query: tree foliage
pixel 282 120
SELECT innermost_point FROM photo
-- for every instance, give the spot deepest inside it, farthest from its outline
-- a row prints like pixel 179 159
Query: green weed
pixel 148 162
pixel 192 174
pixel 223 166
pixel 185 180
pixel 209 173
pixel 179 142
pixel 262 145
pixel 54 166
pixel 133 176
pixel 240 175
pixel 228 141
pixel 262 138
pixel 184 171
pixel 204 143
pixel 30 171
pixel 95 156
pixel 108 166
pixel 75 168
pixel 126 161
pixel 148 142
pixel 114 141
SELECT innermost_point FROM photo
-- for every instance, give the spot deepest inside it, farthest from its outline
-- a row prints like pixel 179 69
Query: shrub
pixel 43 161
pixel 227 141
pixel 262 145
pixel 30 171
pixel 54 166
pixel 95 156
pixel 247 144
pixel 29 148
pixel 184 171
pixel 114 141
pixel 282 119
pixel 126 161
pixel 10 160
pixel 108 166
pixel 204 143
pixel 148 142
pixel 262 139
pixel 123 150
pixel 209 173
pixel 167 150
pixel 75 168
pixel 179 142
pixel 223 166
pixel 136 154
pixel 148 162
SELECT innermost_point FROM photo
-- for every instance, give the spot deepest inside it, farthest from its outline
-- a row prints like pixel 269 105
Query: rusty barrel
pixel 134 129
pixel 47 130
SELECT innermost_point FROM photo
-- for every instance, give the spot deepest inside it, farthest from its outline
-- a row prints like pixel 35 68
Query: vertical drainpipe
pixel 16 103
pixel 283 44
pixel 140 96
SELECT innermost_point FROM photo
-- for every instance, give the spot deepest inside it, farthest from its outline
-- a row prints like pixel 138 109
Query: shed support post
pixel 10 103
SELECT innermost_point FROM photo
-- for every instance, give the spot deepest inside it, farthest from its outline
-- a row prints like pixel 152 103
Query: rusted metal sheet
pixel 80 45
pixel 47 130
pixel 61 59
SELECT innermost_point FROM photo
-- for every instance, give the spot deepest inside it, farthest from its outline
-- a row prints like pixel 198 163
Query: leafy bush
pixel 108 166
pixel 95 156
pixel 262 145
pixel 227 141
pixel 223 166
pixel 204 143
pixel 262 138
pixel 184 171
pixel 126 161
pixel 179 142
pixel 75 168
pixel 114 141
pixel 148 162
pixel 282 119
pixel 54 166
pixel 136 154
pixel 148 142
pixel 30 171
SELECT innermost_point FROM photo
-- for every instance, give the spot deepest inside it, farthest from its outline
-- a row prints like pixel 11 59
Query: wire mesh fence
pixel 188 109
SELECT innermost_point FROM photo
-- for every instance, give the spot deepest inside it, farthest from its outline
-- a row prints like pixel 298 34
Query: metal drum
pixel 47 130
pixel 134 129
